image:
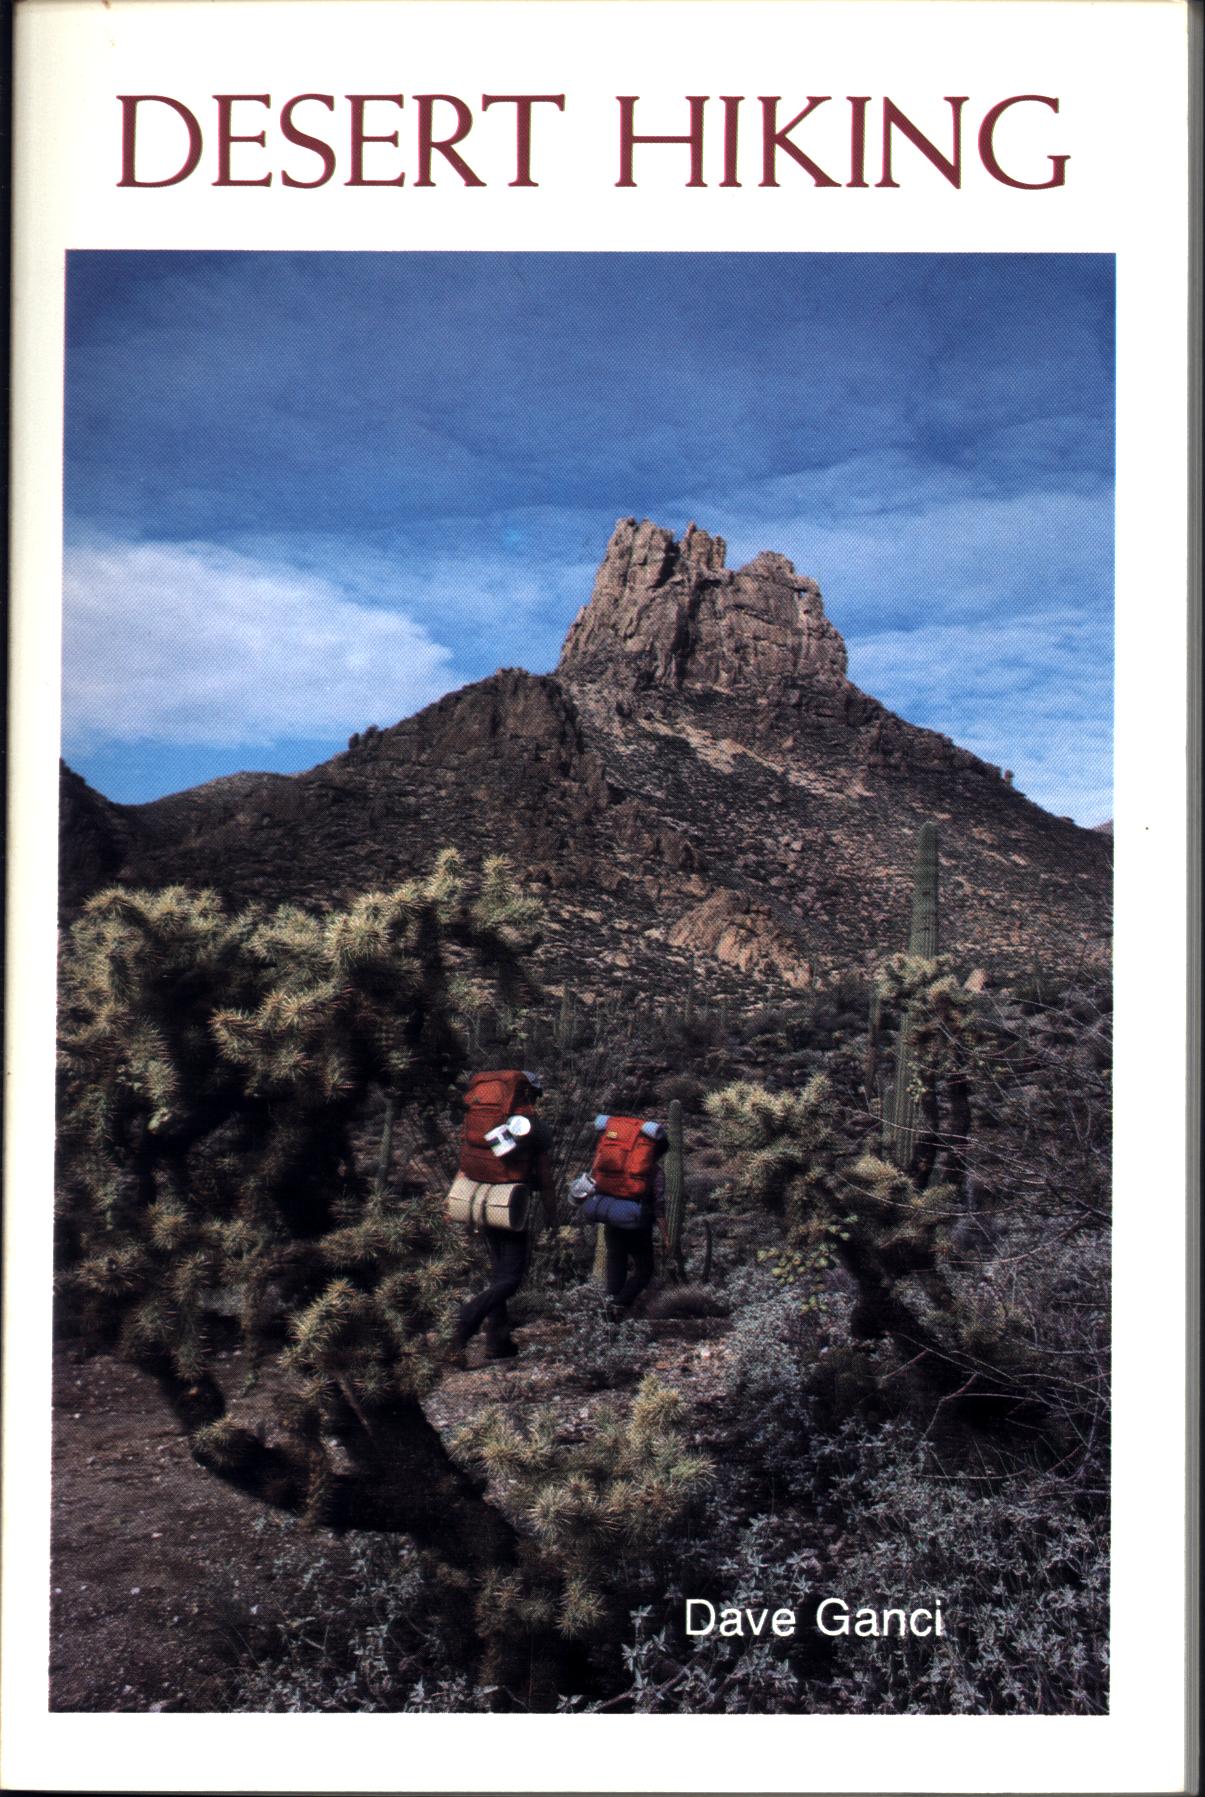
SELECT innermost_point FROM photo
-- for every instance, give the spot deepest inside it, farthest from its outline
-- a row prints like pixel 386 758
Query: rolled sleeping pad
pixel 621 1213
pixel 481 1206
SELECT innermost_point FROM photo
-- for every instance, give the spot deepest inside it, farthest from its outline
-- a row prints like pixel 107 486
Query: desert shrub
pixel 820 1498
pixel 669 1673
pixel 603 1350
pixel 1041 1078
pixel 687 1301
pixel 847 994
pixel 358 1630
pixel 778 1022
pixel 685 1088
pixel 1020 1564
pixel 787 1366
pixel 1017 1563
pixel 689 1030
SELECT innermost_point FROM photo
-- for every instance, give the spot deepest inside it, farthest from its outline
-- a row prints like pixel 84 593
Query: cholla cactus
pixel 787 1161
pixel 622 1493
pixel 863 1212
pixel 783 1142
pixel 215 1070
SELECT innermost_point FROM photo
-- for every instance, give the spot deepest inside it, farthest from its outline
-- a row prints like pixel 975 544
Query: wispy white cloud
pixel 892 541
pixel 191 642
pixel 1023 691
pixel 500 591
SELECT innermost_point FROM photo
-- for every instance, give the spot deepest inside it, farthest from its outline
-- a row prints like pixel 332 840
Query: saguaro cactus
pixel 874 1033
pixel 902 1125
pixel 675 1186
pixel 923 938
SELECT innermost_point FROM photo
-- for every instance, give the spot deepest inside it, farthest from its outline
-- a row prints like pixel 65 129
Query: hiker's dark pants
pixel 623 1245
pixel 508 1250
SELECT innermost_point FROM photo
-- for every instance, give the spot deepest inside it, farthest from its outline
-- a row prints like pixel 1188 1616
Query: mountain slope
pixel 698 787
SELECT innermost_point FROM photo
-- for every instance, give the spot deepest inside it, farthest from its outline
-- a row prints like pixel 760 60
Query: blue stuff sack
pixel 621 1213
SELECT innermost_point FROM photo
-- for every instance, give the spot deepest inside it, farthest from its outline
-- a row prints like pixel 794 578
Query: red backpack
pixel 625 1158
pixel 489 1101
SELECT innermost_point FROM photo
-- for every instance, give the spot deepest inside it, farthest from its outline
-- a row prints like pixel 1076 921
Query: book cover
pixel 598 896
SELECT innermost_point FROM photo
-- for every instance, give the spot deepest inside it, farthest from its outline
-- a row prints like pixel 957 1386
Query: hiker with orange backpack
pixel 625 1192
pixel 505 1160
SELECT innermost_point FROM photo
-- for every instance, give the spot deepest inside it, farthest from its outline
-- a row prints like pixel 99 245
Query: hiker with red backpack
pixel 505 1161
pixel 625 1192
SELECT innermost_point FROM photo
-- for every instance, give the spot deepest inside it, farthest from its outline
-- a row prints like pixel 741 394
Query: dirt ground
pixel 150 1555
pixel 156 1563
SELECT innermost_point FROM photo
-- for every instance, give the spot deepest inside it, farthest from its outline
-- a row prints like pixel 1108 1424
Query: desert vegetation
pixel 874 1363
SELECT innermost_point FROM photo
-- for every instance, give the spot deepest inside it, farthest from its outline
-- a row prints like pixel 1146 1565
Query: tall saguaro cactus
pixel 675 1185
pixel 874 1034
pixel 923 938
pixel 902 1127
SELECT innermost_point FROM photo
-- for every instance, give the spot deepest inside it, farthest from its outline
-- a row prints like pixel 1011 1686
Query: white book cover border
pixel 1121 71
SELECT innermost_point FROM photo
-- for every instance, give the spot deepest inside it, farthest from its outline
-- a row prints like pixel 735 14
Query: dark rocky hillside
pixel 698 788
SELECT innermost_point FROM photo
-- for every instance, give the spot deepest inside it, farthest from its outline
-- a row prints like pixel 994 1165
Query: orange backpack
pixel 489 1101
pixel 625 1157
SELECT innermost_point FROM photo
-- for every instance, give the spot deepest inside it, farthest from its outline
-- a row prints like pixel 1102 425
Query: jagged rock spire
pixel 670 613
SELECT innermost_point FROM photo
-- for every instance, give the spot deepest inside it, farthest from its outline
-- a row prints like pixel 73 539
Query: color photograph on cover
pixel 583 1166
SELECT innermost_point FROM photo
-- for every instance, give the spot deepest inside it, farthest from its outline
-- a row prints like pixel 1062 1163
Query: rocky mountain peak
pixel 670 613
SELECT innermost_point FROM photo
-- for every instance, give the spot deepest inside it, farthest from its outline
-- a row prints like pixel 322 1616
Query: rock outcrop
pixel 697 790
pixel 670 614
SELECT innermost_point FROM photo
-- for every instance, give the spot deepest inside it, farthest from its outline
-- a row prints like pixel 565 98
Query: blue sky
pixel 308 492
